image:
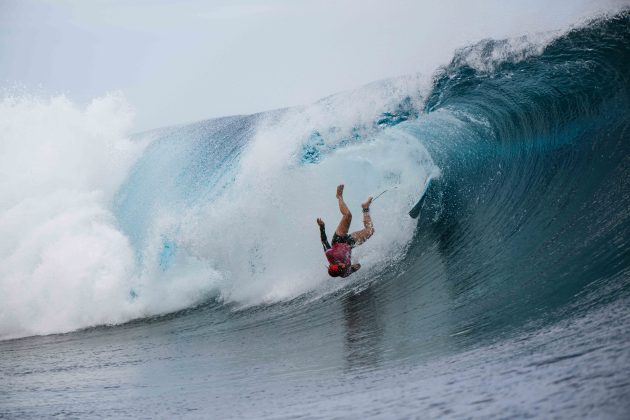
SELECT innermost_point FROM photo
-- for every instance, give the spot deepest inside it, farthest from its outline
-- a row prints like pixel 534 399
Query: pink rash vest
pixel 340 253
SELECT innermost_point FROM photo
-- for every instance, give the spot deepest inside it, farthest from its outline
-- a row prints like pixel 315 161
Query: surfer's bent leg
pixel 346 218
pixel 364 234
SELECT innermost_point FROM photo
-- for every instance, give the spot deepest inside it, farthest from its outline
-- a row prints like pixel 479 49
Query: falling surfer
pixel 339 254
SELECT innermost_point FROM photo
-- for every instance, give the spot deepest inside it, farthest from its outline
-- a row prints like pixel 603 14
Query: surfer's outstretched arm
pixel 322 233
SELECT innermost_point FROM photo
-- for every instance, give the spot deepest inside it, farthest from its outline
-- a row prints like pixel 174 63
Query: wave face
pixel 533 211
pixel 525 230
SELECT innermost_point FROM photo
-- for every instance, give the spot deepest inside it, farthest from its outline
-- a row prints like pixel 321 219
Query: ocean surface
pixel 179 273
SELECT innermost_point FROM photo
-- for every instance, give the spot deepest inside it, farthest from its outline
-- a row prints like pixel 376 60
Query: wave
pixel 533 220
pixel 527 139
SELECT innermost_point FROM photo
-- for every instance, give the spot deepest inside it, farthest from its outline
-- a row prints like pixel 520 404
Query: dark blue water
pixel 509 298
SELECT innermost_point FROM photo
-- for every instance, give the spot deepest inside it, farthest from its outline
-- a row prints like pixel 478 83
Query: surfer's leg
pixel 346 216
pixel 364 234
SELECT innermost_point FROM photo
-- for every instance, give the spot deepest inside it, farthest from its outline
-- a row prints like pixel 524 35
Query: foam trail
pixel 65 262
pixel 248 212
pixel 261 234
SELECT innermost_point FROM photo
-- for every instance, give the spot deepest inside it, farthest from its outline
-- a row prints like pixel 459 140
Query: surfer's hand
pixel 320 222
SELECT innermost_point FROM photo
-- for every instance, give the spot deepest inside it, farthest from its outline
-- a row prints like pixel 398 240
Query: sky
pixel 183 61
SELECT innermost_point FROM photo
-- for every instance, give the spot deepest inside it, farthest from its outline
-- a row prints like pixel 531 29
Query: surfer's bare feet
pixel 366 205
pixel 340 191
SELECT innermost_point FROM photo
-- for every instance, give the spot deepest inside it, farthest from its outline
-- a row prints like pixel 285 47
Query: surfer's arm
pixel 355 267
pixel 322 234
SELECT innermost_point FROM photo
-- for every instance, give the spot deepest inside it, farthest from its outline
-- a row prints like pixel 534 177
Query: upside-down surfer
pixel 339 254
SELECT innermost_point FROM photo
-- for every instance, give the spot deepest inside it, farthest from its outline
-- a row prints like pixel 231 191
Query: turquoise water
pixel 507 297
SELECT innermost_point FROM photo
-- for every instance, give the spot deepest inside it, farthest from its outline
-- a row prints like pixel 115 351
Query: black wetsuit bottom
pixel 345 239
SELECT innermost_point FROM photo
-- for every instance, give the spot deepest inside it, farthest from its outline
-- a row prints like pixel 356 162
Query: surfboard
pixel 415 210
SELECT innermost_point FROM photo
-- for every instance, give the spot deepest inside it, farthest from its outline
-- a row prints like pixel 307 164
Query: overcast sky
pixel 188 60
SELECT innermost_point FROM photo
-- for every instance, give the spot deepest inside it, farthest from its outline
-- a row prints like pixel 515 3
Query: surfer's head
pixel 335 270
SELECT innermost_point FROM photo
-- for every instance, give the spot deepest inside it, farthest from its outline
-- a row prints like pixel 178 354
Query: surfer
pixel 339 253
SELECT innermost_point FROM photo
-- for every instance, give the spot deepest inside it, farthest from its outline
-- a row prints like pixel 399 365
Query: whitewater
pixel 178 271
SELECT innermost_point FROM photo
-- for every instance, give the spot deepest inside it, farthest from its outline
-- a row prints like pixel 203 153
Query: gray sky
pixel 188 60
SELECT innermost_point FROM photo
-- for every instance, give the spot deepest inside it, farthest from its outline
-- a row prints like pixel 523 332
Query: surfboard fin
pixel 415 210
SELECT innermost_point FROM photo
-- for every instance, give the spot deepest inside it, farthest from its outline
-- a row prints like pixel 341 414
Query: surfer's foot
pixel 340 191
pixel 366 205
